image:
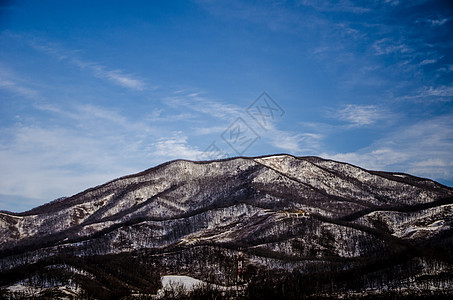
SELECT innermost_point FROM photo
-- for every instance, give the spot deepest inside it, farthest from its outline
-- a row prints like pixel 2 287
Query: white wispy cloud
pixel 295 143
pixel 342 5
pixel 175 147
pixel 377 159
pixel 16 85
pixel 422 149
pixel 388 46
pixel 391 2
pixel 78 147
pixel 162 115
pixel 361 115
pixel 201 104
pixel 429 93
pixel 18 89
pixel 288 141
pixel 117 77
pixel 446 68
pixel 47 163
pixel 275 15
pixel 209 130
pixel 434 22
pixel 114 76
pixel 439 22
pixel 96 119
pixel 428 61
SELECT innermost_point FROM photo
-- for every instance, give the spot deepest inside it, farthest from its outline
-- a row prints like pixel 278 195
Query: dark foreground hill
pixel 306 227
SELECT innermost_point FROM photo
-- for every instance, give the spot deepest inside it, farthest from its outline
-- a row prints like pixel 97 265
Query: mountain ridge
pixel 385 174
pixel 286 213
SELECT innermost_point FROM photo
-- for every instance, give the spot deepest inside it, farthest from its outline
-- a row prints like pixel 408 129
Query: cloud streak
pixel 361 115
pixel 423 149
pixel 16 86
pixel 441 93
pixel 198 103
pixel 47 161
pixel 117 77
pixel 114 76
pixel 388 46
pixel 288 141
pixel 342 6
pixel 175 147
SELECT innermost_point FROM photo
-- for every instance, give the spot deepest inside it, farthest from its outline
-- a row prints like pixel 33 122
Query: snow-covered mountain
pixel 305 226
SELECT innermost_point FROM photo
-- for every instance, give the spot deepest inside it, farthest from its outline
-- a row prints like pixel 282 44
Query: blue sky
pixel 93 90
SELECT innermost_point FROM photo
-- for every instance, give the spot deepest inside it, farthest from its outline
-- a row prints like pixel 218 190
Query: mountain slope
pixel 296 216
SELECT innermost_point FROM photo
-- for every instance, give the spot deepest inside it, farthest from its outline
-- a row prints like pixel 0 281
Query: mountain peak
pixel 287 214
